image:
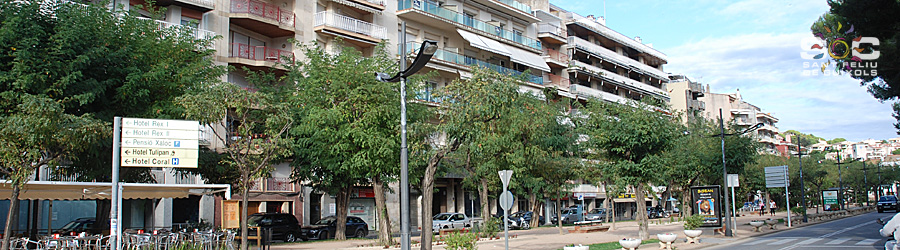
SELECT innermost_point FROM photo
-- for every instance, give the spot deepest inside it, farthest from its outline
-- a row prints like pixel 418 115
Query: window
pixel 190 22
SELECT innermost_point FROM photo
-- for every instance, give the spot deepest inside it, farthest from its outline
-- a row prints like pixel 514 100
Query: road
pixel 858 232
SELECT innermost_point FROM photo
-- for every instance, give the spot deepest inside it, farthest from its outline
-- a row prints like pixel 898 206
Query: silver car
pixel 596 214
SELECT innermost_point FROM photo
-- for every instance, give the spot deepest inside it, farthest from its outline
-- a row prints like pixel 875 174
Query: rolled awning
pixel 484 43
pixel 57 190
pixel 527 58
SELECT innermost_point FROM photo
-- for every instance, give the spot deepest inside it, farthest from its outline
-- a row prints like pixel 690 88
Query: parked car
pixel 569 215
pixel 79 225
pixel 596 214
pixel 450 221
pixel 325 228
pixel 888 202
pixel 284 226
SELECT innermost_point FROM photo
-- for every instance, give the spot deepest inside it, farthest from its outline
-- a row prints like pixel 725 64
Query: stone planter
pixel 771 223
pixel 693 236
pixel 757 224
pixel 630 244
pixel 666 239
pixel 577 248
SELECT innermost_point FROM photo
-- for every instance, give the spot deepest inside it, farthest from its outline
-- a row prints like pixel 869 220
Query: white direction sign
pixel 733 180
pixel 159 143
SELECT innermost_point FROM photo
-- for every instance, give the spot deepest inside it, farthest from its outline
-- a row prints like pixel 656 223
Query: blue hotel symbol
pixel 177 144
pixel 174 161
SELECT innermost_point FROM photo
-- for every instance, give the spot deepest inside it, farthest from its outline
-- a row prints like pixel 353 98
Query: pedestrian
pixel 772 208
pixel 762 208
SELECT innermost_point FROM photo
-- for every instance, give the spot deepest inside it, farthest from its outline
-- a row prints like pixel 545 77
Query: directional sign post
pixel 777 176
pixel 139 142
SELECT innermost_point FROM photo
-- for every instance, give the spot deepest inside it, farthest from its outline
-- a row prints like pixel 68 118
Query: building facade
pixel 743 115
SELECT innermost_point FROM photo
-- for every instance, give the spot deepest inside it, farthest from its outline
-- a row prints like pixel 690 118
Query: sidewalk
pixel 549 237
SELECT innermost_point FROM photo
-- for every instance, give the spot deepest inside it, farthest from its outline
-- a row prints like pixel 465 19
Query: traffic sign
pixel 506 200
pixel 156 152
pixel 159 143
pixel 160 124
pixel 777 176
pixel 160 133
pixel 505 175
pixel 733 180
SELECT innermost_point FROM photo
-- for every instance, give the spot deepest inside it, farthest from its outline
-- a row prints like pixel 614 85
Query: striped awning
pixel 358 6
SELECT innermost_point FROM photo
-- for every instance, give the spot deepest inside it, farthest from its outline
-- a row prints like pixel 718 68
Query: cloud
pixel 768 70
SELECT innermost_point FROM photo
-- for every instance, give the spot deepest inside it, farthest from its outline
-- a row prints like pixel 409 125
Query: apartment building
pixel 684 97
pixel 744 115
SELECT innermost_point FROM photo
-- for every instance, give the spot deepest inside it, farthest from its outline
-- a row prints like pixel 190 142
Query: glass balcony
pixel 517 5
pixel 469 61
pixel 264 10
pixel 468 21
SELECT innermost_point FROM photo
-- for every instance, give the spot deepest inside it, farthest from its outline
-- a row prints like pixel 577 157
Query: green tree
pixel 347 131
pixel 38 132
pixel 836 140
pixel 130 67
pixel 251 126
pixel 633 138
pixel 849 19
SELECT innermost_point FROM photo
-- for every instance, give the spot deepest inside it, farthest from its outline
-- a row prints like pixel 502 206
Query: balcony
pixel 596 93
pixel 259 55
pixel 551 33
pixel 615 36
pixel 561 81
pixel 199 34
pixel 357 30
pixel 266 19
pixel 273 184
pixel 512 8
pixel 620 80
pixel 431 11
pixel 202 5
pixel 556 58
pixel 452 57
pixel 427 95
pixel 614 57
pixel 371 6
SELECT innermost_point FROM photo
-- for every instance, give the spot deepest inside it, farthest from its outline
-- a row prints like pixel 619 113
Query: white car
pixel 450 221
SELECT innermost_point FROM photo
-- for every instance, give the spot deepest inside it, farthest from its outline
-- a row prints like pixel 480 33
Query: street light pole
pixel 866 181
pixel 802 189
pixel 424 55
pixel 725 177
pixel 840 182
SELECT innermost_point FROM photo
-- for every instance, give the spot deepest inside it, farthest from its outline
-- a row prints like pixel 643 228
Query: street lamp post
pixel 865 180
pixel 840 182
pixel 802 189
pixel 425 53
pixel 722 135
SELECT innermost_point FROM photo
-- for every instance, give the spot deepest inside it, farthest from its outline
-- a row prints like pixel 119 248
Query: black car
pixel 887 202
pixel 325 228
pixel 80 225
pixel 284 226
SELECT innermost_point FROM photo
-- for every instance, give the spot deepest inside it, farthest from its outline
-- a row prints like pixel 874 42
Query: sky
pixel 753 46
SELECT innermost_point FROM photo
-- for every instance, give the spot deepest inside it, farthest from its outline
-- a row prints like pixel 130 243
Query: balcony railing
pixel 279 184
pixel 264 10
pixel 468 21
pixel 427 96
pixel 260 53
pixel 596 93
pixel 615 36
pixel 622 80
pixel 558 80
pixel 556 55
pixel 552 29
pixel 616 58
pixel 469 61
pixel 206 3
pixel 517 5
pixel 349 24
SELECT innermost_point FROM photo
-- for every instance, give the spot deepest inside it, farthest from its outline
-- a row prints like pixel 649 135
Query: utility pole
pixel 866 181
pixel 725 178
pixel 802 189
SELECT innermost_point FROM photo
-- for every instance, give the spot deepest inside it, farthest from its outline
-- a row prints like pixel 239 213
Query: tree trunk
pixel 245 203
pixel 101 214
pixel 427 200
pixel 343 201
pixel 384 221
pixel 535 210
pixel 558 213
pixel 687 208
pixel 606 202
pixel 485 202
pixel 643 226
pixel 13 206
pixel 613 214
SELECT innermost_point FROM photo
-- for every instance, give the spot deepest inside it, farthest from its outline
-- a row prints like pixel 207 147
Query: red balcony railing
pixel 556 55
pixel 559 81
pixel 268 11
pixel 260 53
pixel 279 184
